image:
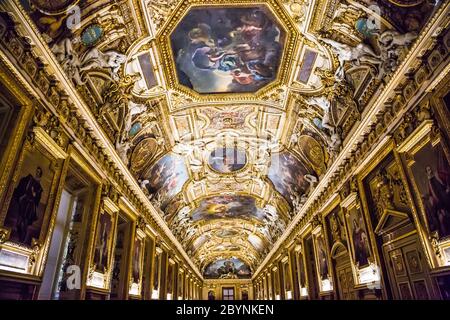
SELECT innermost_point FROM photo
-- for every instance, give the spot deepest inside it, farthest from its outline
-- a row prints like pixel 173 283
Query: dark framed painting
pixel 170 276
pixel 9 115
pixel 137 260
pixel 31 195
pixel 322 258
pixel 156 271
pixel 430 170
pixel 301 271
pixel 359 238
pixel 103 242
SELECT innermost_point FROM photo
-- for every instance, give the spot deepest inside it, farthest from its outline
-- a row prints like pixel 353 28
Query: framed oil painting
pixel 167 178
pixel 292 182
pixel 156 273
pixel 323 264
pixel 170 278
pixel 31 195
pixel 301 272
pixel 103 242
pixel 221 207
pixel 9 116
pixel 426 156
pixel 287 280
pixel 227 160
pixel 429 168
pixel 138 250
pixel 359 238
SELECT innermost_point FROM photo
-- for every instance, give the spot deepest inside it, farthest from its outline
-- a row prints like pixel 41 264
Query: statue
pixel 111 60
pixel 312 180
pixel 325 105
pixel 390 38
pixel 133 109
pixel 335 227
pixel 68 59
pixel 118 95
pixel 392 44
pixel 384 192
pixel 361 53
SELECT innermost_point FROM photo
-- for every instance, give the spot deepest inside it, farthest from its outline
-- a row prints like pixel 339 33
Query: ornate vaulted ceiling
pixel 227 113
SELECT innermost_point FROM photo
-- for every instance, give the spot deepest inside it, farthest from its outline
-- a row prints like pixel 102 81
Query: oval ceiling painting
pixel 167 177
pixel 288 175
pixel 231 268
pixel 224 50
pixel 227 160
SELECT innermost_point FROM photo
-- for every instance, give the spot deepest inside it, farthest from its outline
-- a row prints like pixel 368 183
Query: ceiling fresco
pixel 231 268
pixel 166 178
pixel 228 112
pixel 227 160
pixel 223 207
pixel 227 50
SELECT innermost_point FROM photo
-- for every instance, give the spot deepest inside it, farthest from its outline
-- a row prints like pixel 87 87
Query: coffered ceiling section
pixel 227 112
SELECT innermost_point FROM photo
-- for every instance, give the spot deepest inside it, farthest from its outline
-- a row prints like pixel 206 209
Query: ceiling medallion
pixel 227 160
pixel 227 50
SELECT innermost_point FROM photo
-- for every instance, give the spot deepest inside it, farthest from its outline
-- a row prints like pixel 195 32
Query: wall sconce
pixel 169 296
pixel 155 294
pixel 304 291
pixel 288 295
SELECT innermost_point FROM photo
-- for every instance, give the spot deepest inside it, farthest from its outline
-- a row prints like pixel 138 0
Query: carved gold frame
pixel 109 208
pixel 424 135
pixel 169 67
pixel 322 231
pixel 138 236
pixel 37 252
pixel 353 202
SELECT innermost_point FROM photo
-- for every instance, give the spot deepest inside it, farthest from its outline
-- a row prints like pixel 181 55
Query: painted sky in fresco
pixel 227 160
pixel 222 50
pixel 219 207
pixel 168 176
pixel 225 268
pixel 286 173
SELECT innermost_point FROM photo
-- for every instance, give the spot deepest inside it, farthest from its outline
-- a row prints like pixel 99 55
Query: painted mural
pixel 227 160
pixel 431 171
pixel 220 50
pixel 287 175
pixel 220 207
pixel 231 268
pixel 167 177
